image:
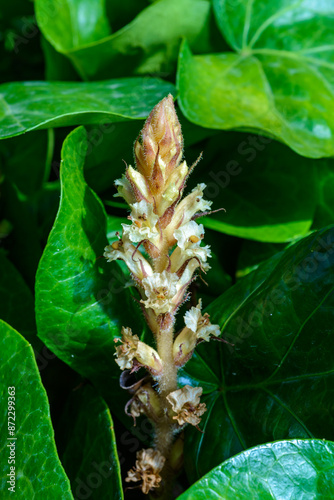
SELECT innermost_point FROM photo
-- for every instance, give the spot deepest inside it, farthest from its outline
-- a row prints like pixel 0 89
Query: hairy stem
pixel 167 384
pixel 164 436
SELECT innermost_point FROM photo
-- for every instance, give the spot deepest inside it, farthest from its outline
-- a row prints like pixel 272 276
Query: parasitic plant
pixel 163 249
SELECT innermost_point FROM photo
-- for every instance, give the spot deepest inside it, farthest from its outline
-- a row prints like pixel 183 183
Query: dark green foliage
pixel 254 84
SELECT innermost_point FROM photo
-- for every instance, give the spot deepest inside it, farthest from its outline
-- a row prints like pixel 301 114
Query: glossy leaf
pixel 278 80
pixel 81 302
pixel 38 471
pixel 274 380
pixel 301 469
pixel 73 23
pixel 148 44
pixel 90 455
pixel 35 105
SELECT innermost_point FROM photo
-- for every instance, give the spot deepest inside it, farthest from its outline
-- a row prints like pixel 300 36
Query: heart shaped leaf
pixel 29 463
pixel 90 455
pixel 148 44
pixel 37 105
pixel 278 80
pixel 275 471
pixel 81 302
pixel 275 378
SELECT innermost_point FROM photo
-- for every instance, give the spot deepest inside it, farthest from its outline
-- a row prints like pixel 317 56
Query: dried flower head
pixel 132 349
pixel 149 464
pixel 200 324
pixel 186 404
pixel 145 401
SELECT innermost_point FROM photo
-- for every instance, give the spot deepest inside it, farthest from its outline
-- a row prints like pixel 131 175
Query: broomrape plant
pixel 163 249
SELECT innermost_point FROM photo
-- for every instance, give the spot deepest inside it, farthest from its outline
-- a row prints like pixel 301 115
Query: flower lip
pixel 160 289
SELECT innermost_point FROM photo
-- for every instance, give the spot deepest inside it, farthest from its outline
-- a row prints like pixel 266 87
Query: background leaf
pixel 89 453
pixel 39 473
pixel 241 178
pixel 279 80
pixel 73 23
pixel 35 105
pixel 148 44
pixel 287 469
pixel 275 381
pixel 81 302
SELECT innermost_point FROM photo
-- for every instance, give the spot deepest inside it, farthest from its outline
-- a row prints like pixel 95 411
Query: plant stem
pixel 164 435
pixel 167 384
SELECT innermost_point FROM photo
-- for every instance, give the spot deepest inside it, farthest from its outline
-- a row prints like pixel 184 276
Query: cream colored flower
pixel 172 188
pixel 160 290
pixel 189 234
pixel 186 404
pixel 143 225
pixel 125 190
pixel 183 346
pixel 184 212
pixel 149 464
pixel 139 185
pixel 132 349
pixel 127 351
pixel 189 237
pixel 125 250
pixel 199 324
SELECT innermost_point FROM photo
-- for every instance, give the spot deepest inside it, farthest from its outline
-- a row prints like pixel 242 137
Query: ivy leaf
pixel 73 23
pixel 90 455
pixel 81 302
pixel 278 80
pixel 36 105
pixel 148 44
pixel 274 380
pixel 38 471
pixel 275 471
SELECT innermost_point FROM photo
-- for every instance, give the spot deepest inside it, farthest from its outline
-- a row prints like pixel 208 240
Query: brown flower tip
pixel 186 404
pixel 158 150
pixel 146 401
pixel 158 153
pixel 148 466
pixel 132 352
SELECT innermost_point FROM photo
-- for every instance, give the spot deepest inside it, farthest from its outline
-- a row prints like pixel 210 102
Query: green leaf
pixel 35 105
pixel 148 44
pixel 90 455
pixel 241 180
pixel 274 380
pixel 17 302
pixel 278 80
pixel 38 471
pixel 275 471
pixel 81 302
pixel 73 23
